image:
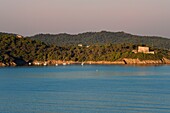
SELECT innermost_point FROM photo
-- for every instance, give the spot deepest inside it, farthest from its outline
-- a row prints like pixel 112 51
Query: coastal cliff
pixel 137 61
pixel 124 61
pixel 7 64
pixel 2 64
pixel 166 61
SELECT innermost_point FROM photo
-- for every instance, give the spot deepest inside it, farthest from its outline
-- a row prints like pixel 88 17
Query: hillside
pixel 16 50
pixel 101 38
pixel 22 50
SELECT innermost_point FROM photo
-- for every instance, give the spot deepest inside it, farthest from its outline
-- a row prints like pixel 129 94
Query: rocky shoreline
pixel 124 61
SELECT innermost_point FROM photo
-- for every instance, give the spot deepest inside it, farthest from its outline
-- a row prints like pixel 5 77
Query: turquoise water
pixel 85 89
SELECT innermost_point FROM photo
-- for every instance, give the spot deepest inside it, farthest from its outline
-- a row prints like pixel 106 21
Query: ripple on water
pixel 113 88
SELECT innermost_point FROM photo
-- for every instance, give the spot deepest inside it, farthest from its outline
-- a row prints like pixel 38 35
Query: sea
pixel 85 89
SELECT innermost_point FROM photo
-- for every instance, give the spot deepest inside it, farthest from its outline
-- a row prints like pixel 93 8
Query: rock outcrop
pixel 104 62
pixel 52 62
pixel 11 64
pixel 137 61
pixel 8 64
pixel 166 61
pixel 2 64
pixel 123 61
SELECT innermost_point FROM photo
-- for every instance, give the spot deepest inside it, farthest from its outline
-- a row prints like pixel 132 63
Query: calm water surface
pixel 87 89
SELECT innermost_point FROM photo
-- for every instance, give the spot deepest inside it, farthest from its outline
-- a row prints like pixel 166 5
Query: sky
pixel 30 17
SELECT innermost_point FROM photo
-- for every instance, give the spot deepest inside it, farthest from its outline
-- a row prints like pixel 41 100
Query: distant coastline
pixel 125 61
pixel 103 48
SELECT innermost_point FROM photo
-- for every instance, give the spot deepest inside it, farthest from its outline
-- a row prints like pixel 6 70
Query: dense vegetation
pixel 102 38
pixel 13 49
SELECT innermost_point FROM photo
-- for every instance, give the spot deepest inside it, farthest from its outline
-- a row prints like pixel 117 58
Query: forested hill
pixel 15 49
pixel 103 37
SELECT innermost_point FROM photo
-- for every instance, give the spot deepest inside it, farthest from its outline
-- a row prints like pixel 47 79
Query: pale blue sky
pixel 29 17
